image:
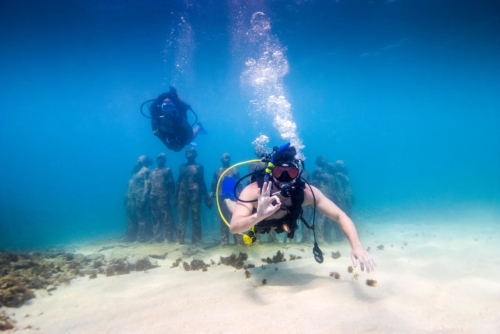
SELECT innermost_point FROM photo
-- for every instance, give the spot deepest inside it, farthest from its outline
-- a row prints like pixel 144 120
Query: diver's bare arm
pixel 243 217
pixel 329 209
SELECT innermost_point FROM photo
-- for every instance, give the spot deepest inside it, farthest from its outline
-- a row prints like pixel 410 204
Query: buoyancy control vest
pixel 287 223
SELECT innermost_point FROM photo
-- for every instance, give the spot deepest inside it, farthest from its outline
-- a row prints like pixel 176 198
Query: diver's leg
pixel 187 133
pixel 163 139
pixel 196 129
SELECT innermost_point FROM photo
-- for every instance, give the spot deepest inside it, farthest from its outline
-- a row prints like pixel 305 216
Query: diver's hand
pixel 265 207
pixel 365 259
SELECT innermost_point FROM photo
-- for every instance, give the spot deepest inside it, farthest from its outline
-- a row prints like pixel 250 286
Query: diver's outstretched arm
pixel 329 209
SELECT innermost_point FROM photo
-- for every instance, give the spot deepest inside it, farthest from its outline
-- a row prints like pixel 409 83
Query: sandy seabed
pixel 434 275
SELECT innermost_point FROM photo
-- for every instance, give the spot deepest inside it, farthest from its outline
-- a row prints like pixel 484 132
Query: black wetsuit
pixel 175 131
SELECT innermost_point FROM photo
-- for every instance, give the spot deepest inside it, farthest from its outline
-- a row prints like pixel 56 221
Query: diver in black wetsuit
pixel 169 120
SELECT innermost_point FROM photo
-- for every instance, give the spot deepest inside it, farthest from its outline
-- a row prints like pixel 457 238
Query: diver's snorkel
pixel 270 163
pixel 286 190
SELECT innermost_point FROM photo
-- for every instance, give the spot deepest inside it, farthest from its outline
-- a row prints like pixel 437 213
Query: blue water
pixel 405 92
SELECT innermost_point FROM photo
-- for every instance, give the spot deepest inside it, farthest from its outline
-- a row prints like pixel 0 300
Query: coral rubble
pixel 198 265
pixel 335 275
pixel 13 291
pixel 279 257
pixel 176 263
pixel 6 323
pixel 247 274
pixel 20 273
pixel 124 266
pixel 234 261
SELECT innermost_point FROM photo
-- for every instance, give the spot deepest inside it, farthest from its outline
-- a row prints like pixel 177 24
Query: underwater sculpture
pixel 162 191
pixel 137 201
pixel 189 192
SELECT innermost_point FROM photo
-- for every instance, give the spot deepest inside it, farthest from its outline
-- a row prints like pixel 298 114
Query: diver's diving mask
pixel 285 173
pixel 168 108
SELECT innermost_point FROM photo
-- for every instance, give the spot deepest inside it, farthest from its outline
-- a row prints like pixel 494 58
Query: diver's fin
pixel 202 130
pixel 193 143
pixel 228 187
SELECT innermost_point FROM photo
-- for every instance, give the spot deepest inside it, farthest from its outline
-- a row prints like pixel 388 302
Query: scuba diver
pixel 275 202
pixel 169 120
